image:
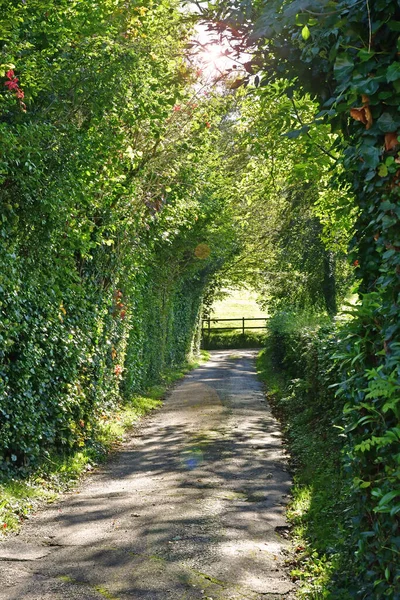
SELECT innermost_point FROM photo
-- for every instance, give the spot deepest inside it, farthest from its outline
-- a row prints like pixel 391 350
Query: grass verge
pixel 317 509
pixel 20 497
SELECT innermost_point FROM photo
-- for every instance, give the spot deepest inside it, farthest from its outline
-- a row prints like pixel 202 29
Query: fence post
pixel 243 325
pixel 209 327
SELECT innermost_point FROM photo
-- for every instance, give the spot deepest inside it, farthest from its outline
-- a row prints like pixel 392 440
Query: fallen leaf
pixel 358 114
pixel 202 251
pixel 362 114
pixel 391 141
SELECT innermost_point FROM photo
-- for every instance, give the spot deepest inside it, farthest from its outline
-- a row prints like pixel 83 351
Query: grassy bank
pixel 317 509
pixel 22 495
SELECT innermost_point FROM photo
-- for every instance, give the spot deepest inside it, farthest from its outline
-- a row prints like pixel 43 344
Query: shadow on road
pixel 192 508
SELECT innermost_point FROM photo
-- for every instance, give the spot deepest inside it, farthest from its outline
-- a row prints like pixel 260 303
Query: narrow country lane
pixel 191 508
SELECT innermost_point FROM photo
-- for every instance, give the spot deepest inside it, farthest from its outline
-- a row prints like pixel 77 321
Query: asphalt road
pixel 191 508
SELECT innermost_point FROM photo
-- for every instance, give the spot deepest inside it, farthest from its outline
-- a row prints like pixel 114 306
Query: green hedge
pixel 72 351
pixel 111 224
pixel 232 339
pixel 369 354
pixel 360 438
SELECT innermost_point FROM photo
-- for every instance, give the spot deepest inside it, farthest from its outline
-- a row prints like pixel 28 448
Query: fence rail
pixel 206 324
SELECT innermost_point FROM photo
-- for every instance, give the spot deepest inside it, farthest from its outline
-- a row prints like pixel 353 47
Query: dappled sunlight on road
pixel 191 508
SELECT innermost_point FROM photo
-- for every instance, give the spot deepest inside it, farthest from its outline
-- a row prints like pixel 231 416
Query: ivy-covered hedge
pixel 71 350
pixel 370 389
pixel 110 224
pixel 297 369
pixel 315 356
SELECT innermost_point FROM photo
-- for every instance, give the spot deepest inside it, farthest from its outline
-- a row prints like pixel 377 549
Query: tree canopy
pixel 131 188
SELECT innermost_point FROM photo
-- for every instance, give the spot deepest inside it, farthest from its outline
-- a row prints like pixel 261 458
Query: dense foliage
pixel 110 225
pixel 293 253
pixel 299 376
pixel 301 347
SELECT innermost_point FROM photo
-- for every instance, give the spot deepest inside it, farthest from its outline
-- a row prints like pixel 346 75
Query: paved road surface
pixel 191 508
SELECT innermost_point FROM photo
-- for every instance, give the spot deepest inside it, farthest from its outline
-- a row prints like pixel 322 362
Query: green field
pixel 239 303
pixel 236 305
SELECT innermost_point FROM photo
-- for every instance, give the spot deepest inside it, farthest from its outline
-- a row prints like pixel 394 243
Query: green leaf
pixel 388 497
pixel 5 68
pixel 365 54
pixel 365 484
pixel 387 123
pixel 370 155
pixel 382 170
pixel 301 19
pixel 388 254
pixel 367 86
pixel 393 72
pixel 305 33
pixel 295 133
pixel 343 66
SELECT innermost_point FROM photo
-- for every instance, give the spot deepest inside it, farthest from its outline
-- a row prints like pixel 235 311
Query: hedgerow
pixel 313 355
pixel 300 374
pixel 108 233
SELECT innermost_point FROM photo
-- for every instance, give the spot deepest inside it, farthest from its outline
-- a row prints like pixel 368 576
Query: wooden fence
pixel 207 329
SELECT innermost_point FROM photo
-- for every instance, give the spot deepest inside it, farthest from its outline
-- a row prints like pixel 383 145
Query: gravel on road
pixel 191 508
